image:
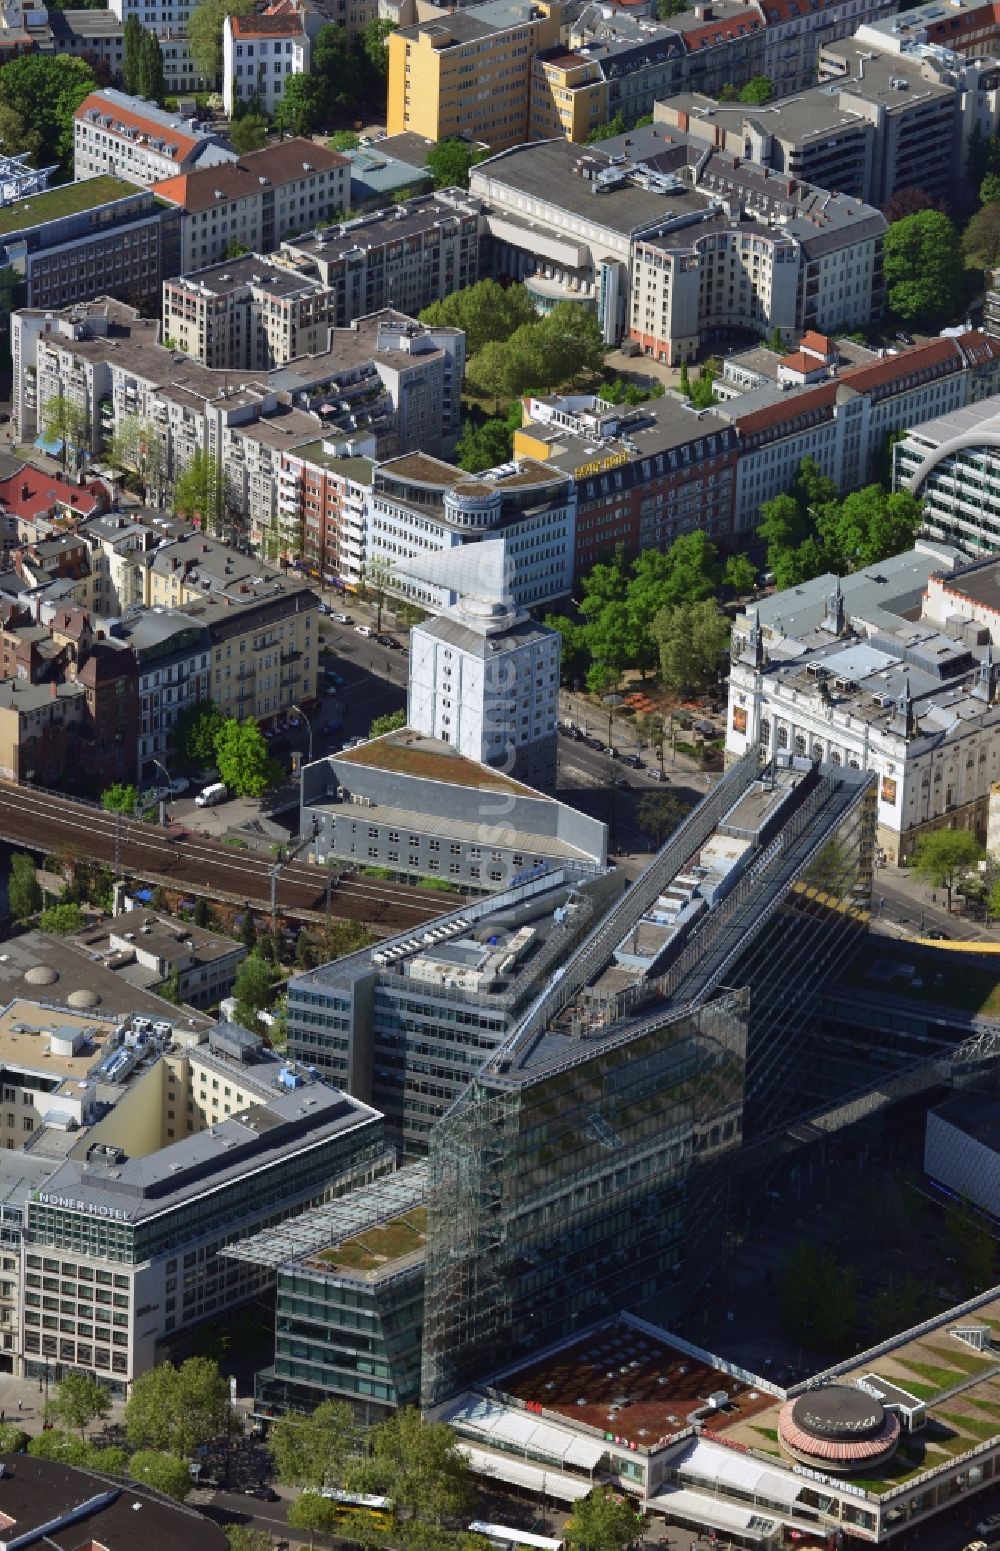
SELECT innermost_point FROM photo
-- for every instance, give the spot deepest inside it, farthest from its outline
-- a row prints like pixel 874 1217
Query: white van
pixel 211 795
pixel 365 630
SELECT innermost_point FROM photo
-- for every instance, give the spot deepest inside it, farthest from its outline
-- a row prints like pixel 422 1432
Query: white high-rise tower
pixel 484 676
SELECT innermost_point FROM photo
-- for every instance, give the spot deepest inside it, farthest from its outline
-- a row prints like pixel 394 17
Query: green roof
pixel 67 199
pixel 357 468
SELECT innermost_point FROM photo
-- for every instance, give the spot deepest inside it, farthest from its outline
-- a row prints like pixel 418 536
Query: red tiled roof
pixel 722 30
pixel 891 367
pixel 822 397
pixel 31 492
pixel 281 163
pixel 821 344
pixel 799 362
pixel 122 119
pixel 266 26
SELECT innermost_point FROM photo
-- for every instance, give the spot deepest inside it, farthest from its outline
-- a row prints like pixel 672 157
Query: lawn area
pixel 976 1427
pixel 393 1241
pixel 377 1247
pixel 351 1256
pixel 964 1360
pixel 941 1378
pixel 67 199
pixel 944 982
pixel 990 1406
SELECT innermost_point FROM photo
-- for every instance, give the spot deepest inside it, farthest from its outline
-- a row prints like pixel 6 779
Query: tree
pixel 112 1460
pixel 136 447
pixel 12 1439
pixel 665 9
pixel 65 422
pixel 660 813
pixel 485 311
pixel 313 1514
pixel 776 341
pixel 702 392
pixel 335 65
pixel 243 1537
pixel 907 201
pixel 61 919
pixel 374 50
pixel 164 1472
pixel 490 442
pixel 247 929
pixel 419 1465
pixel 981 239
pixel 989 189
pixel 119 798
pixel 204 30
pixel 56 1444
pixel 758 90
pixel 194 733
pixel 197 494
pixel 24 893
pixel 174 1410
pixel 242 756
pixel 253 989
pixel 132 35
pixel 451 161
pixel 377 580
pixel 692 638
pixel 302 108
pixel 248 133
pixel 390 723
pixel 80 1400
pixel 604 1520
pixel 944 855
pixel 313 1448
pixel 39 94
pixel 202 914
pixel 151 83
pixel 614 127
pixel 740 574
pixel 344 140
pixel 923 267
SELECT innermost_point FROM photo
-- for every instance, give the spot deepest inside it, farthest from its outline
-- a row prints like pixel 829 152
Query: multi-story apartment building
pixel 684 244
pixel 469 72
pixel 162 953
pixel 845 424
pixel 215 1140
pixel 261 53
pixel 174 655
pixel 331 489
pixel 425 249
pixel 842 670
pixel 248 312
pixel 129 138
pixel 169 20
pixel 951 463
pixel 420 505
pixel 255 201
pixel 40 724
pixel 644 475
pixel 102 236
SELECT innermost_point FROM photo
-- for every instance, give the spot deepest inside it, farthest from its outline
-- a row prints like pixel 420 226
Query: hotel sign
pixel 614 460
pixel 68 1203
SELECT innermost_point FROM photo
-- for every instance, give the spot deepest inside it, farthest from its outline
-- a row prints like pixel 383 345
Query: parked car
pixel 365 630
pixel 211 795
pixel 324 608
pixel 335 680
pixel 264 1494
pixel 341 619
pixel 575 734
pixel 632 760
pixel 656 774
pixel 989 1526
pixel 595 744
pixel 903 338
pixel 179 785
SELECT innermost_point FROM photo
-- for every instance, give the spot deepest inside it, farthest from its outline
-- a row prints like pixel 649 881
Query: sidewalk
pixel 593 719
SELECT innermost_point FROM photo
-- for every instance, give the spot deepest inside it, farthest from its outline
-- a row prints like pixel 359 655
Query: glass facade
pixel 558 1197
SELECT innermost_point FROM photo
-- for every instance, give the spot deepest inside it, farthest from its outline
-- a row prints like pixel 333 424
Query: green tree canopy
pixel 24 892
pixel 418 1464
pixel 665 9
pixel 80 1400
pixel 302 108
pixel 61 919
pixel 373 46
pixel 981 239
pixel 120 798
pixel 132 34
pixel 660 813
pixel 66 422
pixel 484 311
pixel 197 494
pixel 923 267
pixel 344 140
pixel 57 1444
pixel 391 722
pixel 136 448
pixel 12 1439
pixel 39 94
pixel 943 856
pixel 242 756
pixel 451 161
pixel 757 91
pixel 164 1472
pixel 194 733
pixel 204 30
pixel 243 1537
pixel 692 639
pixel 151 83
pixel 604 1520
pixel 313 1514
pixel 334 64
pixel 253 989
pixel 740 574
pixel 989 189
pixel 313 1448
pixel 484 444
pixel 610 130
pixel 173 1409
pixel 248 133
pixel 817 1300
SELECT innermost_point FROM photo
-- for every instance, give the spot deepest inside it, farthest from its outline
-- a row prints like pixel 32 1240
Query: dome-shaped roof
pixel 41 975
pixel 83 999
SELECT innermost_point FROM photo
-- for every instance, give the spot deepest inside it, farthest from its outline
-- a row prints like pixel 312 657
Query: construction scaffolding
pixel 18 180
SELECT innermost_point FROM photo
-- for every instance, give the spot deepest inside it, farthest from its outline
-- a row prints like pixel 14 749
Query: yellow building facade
pixel 569 96
pixel 470 73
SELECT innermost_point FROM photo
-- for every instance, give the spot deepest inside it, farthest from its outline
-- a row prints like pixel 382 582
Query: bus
pixel 503 1538
pixel 378 1509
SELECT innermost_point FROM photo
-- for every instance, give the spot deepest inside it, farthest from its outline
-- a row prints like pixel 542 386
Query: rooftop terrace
pixel 68 199
pixel 410 753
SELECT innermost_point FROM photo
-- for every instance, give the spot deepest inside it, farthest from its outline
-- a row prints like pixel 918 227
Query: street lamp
pixel 309 730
